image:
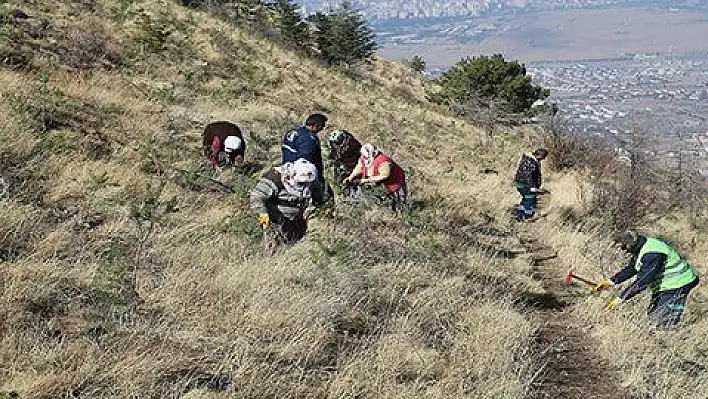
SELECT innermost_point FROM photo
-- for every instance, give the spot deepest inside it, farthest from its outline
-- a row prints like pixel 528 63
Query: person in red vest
pixel 375 167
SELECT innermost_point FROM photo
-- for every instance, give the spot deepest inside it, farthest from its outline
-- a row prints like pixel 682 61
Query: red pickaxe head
pixel 570 276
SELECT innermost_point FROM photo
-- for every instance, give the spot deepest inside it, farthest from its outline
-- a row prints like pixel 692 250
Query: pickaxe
pixel 570 276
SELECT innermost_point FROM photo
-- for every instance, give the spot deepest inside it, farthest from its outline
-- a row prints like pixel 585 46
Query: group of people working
pixel 282 195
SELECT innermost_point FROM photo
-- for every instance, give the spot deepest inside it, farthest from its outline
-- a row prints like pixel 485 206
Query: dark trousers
pixel 666 307
pixel 527 208
pixel 285 231
pixel 398 199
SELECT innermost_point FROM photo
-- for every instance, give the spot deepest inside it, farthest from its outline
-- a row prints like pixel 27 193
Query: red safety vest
pixel 395 180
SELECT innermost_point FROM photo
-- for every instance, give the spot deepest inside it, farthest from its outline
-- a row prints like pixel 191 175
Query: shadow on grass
pixel 192 379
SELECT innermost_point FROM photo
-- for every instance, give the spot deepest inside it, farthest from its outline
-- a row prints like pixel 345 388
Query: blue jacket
pixel 300 142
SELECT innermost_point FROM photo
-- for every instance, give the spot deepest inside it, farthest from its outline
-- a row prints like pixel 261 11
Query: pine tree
pixel 294 31
pixel 343 37
pixel 492 80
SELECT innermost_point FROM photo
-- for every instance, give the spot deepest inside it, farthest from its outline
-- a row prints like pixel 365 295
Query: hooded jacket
pixel 278 199
pixel 528 174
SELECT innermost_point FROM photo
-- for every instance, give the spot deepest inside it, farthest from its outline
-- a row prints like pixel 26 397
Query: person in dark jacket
pixel 223 144
pixel 528 182
pixel 302 142
pixel 281 197
pixel 344 151
pixel 658 267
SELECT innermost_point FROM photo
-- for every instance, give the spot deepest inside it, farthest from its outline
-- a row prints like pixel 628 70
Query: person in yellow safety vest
pixel 659 267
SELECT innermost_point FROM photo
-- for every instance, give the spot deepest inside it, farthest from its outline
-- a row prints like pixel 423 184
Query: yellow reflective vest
pixel 677 271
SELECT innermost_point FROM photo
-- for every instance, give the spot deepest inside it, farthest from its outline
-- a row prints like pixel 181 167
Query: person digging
pixel 660 268
pixel 343 153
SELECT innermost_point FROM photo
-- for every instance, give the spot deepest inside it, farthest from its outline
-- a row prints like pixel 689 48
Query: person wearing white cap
pixel 223 144
pixel 233 147
pixel 281 197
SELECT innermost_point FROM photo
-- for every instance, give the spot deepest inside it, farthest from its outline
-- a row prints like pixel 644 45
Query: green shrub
pixel 294 31
pixel 112 286
pixel 417 64
pixel 152 32
pixel 148 208
pixel 55 143
pixel 489 79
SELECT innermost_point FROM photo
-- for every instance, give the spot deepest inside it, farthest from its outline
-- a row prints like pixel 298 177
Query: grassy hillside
pixel 128 269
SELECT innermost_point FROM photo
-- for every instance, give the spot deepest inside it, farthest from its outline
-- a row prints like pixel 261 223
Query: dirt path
pixel 573 368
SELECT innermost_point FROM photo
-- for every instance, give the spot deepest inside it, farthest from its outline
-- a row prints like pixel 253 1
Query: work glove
pixel 328 212
pixel 601 286
pixel 264 220
pixel 612 305
pixel 347 180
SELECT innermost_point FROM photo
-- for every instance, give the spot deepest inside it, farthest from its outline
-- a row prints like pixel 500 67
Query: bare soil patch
pixel 573 368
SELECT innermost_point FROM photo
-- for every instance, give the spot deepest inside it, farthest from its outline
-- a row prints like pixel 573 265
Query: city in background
pixel 422 9
pixel 613 67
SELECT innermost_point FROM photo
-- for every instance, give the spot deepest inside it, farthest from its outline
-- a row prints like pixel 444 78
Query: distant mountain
pixel 420 9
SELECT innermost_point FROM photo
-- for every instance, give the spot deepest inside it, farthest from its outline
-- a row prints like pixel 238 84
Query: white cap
pixel 304 171
pixel 232 143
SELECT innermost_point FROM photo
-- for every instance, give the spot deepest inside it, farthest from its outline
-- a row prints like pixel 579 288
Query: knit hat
pixel 232 143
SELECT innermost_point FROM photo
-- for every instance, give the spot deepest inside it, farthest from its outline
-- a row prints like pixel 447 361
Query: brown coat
pixel 214 135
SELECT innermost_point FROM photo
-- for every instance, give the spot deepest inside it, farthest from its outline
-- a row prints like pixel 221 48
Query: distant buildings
pixel 415 9
pixel 663 96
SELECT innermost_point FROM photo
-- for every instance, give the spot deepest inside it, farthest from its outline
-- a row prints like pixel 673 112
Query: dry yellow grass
pixel 101 300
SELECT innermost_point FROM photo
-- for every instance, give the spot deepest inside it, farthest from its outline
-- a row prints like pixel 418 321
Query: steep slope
pixel 130 270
